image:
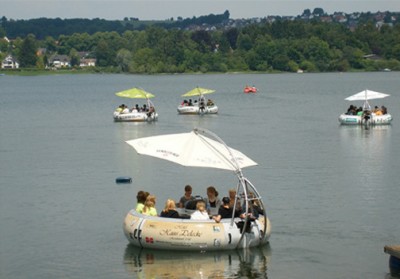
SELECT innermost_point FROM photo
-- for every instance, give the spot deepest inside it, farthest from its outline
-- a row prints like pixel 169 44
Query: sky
pixel 166 9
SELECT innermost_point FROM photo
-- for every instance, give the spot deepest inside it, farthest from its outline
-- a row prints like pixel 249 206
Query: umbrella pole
pixel 238 171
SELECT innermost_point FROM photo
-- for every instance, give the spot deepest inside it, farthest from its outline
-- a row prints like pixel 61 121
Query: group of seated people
pixel 124 109
pixel 353 110
pixel 201 102
pixel 225 208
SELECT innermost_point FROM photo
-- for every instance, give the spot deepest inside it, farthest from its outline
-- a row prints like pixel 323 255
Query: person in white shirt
pixel 201 212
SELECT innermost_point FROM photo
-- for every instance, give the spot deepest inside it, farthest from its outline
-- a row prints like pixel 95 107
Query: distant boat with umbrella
pixel 137 113
pixel 365 115
pixel 199 105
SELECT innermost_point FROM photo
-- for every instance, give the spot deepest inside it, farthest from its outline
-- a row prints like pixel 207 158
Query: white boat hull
pixel 196 109
pixel 345 119
pixel 134 117
pixel 185 234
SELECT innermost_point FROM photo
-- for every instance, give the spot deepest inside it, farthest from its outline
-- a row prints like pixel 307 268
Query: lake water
pixel 332 192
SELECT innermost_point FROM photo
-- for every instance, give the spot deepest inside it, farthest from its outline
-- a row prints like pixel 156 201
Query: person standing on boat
pixel 212 201
pixel 200 213
pixel 186 197
pixel 149 206
pixel 202 102
pixel 141 199
pixel 170 210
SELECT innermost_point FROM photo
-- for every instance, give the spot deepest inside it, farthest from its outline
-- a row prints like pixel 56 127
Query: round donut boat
pixel 368 117
pixel 196 149
pixel 374 119
pixel 185 234
pixel 135 117
pixel 195 109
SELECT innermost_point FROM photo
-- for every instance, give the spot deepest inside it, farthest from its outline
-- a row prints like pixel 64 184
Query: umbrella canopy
pixel 366 95
pixel 135 93
pixel 198 91
pixel 192 149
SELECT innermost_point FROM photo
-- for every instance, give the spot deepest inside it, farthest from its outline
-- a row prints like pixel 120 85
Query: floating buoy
pixel 123 179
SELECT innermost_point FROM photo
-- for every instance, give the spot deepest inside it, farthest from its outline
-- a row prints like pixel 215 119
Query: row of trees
pixel 281 46
pixel 54 27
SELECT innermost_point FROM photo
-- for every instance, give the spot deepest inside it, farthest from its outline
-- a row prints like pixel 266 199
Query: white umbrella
pixel 367 95
pixel 193 149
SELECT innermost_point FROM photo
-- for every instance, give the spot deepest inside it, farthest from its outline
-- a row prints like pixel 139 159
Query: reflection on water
pixel 244 263
pixel 366 140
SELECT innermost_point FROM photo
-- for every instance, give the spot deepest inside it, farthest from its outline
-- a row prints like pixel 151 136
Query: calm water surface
pixel 332 192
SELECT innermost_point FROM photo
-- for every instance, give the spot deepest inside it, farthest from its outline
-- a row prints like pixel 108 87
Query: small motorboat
pixel 250 89
pixel 365 115
pixel 137 114
pixel 198 150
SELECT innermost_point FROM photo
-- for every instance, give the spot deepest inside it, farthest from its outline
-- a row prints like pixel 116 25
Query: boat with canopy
pixel 200 148
pixel 138 113
pixel 365 115
pixel 200 105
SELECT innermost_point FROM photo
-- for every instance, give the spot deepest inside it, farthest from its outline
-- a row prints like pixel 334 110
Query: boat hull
pixel 196 110
pixel 134 117
pixel 185 234
pixel 394 259
pixel 345 119
pixel 250 90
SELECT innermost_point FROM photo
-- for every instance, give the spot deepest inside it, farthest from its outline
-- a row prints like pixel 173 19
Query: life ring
pixel 123 179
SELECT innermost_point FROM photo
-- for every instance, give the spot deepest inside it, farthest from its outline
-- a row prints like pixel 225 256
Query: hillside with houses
pixel 311 42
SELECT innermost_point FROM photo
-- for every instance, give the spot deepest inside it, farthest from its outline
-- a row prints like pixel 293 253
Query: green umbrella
pixel 135 93
pixel 198 91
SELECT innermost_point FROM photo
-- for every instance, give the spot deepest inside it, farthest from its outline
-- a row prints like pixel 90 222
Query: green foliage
pixel 27 54
pixel 278 46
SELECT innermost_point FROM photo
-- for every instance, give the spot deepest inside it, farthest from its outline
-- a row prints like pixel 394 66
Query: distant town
pixel 351 20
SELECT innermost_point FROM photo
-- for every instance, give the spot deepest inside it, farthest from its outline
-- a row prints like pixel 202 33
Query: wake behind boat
pixel 198 106
pixel 138 113
pixel 195 149
pixel 365 115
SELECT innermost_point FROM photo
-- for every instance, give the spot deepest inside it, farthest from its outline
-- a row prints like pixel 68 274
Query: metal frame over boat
pixel 185 234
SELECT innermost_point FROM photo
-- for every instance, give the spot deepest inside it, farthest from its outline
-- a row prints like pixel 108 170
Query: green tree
pixel 27 54
pixel 244 42
pixel 232 36
pixel 3 45
pixel 124 59
pixel 75 59
pixel 2 32
pixel 103 54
